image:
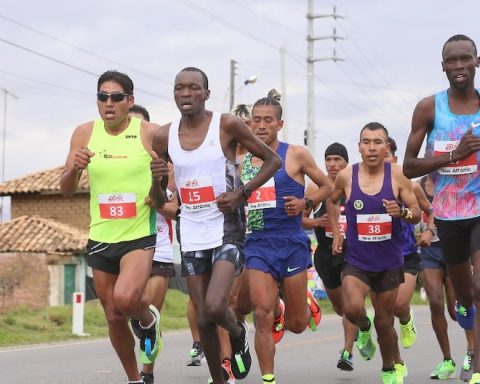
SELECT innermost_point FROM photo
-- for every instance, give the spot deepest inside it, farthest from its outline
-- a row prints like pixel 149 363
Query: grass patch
pixel 24 325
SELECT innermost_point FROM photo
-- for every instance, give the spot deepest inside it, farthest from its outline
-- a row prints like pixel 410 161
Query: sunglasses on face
pixel 115 96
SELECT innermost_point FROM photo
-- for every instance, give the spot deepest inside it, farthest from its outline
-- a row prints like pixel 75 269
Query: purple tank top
pixel 374 238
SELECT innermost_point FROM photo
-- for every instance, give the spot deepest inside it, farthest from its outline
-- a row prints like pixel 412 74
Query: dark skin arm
pixel 159 167
pixel 422 123
pixel 238 132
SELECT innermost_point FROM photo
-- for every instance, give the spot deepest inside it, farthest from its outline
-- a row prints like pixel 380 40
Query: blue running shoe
pixel 465 316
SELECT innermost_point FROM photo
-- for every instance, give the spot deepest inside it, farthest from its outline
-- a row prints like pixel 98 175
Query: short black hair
pixel 137 108
pixel 269 101
pixel 393 146
pixel 460 38
pixel 374 126
pixel 118 77
pixel 195 69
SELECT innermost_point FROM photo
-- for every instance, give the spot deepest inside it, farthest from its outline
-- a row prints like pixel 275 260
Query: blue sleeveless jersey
pixel 457 186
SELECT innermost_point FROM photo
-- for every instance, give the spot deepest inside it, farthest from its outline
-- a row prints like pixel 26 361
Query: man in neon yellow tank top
pixel 116 151
pixel 450 120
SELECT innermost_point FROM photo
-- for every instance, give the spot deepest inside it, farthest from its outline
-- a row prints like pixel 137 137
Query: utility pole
pixel 310 134
pixel 233 66
pixel 6 93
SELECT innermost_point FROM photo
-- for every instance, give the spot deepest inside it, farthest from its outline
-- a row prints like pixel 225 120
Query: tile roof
pixel 44 181
pixel 37 234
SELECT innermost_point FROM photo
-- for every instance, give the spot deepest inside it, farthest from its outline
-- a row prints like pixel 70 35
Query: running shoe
pixel 465 316
pixel 241 361
pixel 278 328
pixel 147 377
pixel 345 362
pixel 408 332
pixel 467 368
pixel 445 370
pixel 268 379
pixel 390 377
pixel 151 342
pixel 315 310
pixel 196 355
pixel 365 345
pixel 475 378
pixel 227 371
pixel 402 371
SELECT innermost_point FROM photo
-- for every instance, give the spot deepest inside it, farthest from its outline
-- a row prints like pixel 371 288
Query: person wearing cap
pixel 329 266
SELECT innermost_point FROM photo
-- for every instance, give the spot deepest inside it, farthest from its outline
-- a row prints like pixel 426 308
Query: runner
pixel 162 266
pixel 329 266
pixel 116 151
pixel 450 120
pixel 202 148
pixel 277 250
pixel 374 237
pixel 411 268
pixel 435 279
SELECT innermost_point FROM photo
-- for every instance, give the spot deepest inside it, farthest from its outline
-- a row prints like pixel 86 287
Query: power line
pixel 72 66
pixel 45 83
pixel 227 23
pixel 273 21
pixel 82 49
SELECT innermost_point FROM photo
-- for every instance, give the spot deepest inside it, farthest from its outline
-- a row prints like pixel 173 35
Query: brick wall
pixel 24 279
pixel 69 210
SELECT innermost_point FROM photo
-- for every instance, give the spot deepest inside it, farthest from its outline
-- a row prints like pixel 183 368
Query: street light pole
pixel 6 93
pixel 251 80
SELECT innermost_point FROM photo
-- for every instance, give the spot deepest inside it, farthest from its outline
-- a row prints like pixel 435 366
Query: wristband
pixel 431 230
pixel 450 156
pixel 406 213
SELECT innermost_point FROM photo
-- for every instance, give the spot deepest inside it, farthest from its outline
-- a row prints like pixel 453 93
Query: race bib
pixel 374 227
pixel 197 194
pixel 263 197
pixel 117 205
pixel 342 227
pixel 462 167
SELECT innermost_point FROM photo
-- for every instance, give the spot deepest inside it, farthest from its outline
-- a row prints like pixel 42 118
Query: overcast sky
pixel 53 51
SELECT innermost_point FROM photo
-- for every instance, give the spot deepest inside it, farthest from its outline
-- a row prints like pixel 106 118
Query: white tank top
pixel 163 247
pixel 200 176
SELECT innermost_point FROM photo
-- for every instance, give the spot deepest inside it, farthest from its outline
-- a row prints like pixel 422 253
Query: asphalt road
pixel 307 358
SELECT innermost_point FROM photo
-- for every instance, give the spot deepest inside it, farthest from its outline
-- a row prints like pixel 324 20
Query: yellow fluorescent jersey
pixel 120 179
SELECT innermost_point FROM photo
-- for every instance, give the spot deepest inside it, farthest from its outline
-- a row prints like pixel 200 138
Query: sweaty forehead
pixel 111 86
pixel 189 77
pixel 458 47
pixel 264 111
pixel 373 134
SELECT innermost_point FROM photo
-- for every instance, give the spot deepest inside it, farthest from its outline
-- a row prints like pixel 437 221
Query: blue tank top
pixel 374 238
pixel 408 239
pixel 457 186
pixel 274 221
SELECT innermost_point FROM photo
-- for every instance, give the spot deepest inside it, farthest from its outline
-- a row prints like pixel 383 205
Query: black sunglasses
pixel 115 96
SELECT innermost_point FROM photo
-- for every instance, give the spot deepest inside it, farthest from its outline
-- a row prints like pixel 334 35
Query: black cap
pixel 337 149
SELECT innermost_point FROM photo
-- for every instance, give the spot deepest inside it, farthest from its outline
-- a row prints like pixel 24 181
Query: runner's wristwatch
pixel 308 203
pixel 246 192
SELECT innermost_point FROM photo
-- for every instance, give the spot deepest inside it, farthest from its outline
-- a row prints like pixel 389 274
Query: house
pixel 42 249
pixel 42 262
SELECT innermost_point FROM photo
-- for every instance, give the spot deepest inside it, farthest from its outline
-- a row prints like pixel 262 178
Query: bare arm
pixel 422 122
pixel 240 133
pixel 244 136
pixel 333 211
pixel 427 235
pixel 408 197
pixel 310 168
pixel 159 166
pixel 77 159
